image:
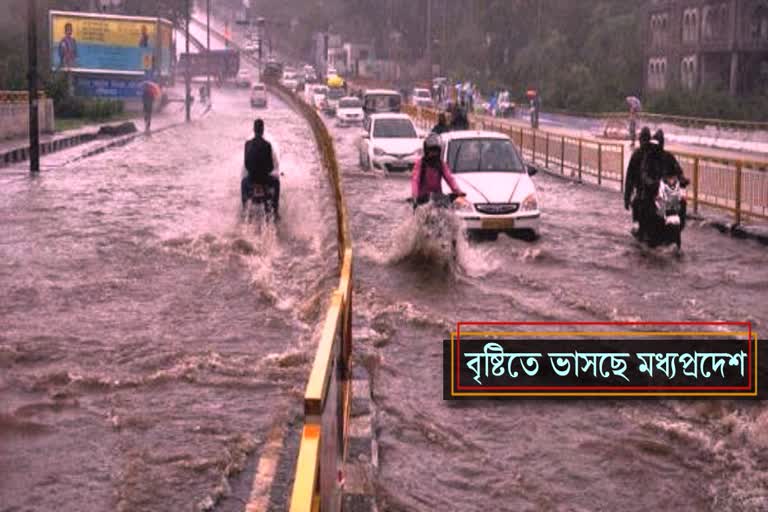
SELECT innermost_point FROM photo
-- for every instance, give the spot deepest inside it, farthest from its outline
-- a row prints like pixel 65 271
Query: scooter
pixel 665 223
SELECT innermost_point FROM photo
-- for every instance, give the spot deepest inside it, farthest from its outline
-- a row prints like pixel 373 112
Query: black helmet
pixel 659 138
pixel 432 142
pixel 645 135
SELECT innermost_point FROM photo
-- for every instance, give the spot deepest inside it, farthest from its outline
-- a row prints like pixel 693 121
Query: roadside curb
pixel 22 154
pixel 363 450
pixel 734 230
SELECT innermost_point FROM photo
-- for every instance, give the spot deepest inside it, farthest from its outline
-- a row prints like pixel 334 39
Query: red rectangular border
pixel 750 341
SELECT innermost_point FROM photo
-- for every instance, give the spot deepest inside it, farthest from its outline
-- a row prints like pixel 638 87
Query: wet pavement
pixel 546 455
pixel 150 340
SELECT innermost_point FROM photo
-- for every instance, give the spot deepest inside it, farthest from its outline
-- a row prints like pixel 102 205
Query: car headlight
pixel 465 206
pixel 379 152
pixel 530 203
pixel 418 152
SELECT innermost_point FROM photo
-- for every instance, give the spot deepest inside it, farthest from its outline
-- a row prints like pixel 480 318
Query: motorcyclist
pixel 429 172
pixel 670 165
pixel 442 125
pixel 632 187
pixel 263 168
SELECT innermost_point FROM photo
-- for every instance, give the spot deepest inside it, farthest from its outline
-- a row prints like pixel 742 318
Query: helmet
pixel 645 135
pixel 659 138
pixel 432 142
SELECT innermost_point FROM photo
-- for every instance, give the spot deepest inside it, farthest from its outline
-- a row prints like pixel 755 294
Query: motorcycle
pixel 664 223
pixel 260 204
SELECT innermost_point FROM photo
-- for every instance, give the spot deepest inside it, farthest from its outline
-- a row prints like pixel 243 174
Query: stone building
pixel 714 43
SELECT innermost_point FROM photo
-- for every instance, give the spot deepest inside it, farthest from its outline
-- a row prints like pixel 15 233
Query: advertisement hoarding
pixel 84 42
pixel 108 88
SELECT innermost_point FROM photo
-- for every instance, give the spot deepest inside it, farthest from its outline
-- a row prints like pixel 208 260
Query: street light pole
pixel 34 134
pixel 187 78
pixel 429 37
pixel 208 56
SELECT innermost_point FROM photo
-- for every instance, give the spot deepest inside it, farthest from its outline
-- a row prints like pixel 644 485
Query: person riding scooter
pixel 657 164
pixel 263 169
pixel 429 171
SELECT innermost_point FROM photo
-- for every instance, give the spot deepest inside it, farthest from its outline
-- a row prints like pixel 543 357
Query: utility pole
pixel 429 38
pixel 539 44
pixel 34 134
pixel 208 44
pixel 187 78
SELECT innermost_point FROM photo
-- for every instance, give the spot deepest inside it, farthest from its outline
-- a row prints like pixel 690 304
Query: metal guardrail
pixel 577 156
pixel 685 121
pixel 735 186
pixel 316 485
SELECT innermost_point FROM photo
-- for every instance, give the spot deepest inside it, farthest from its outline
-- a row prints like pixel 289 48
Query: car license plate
pixel 498 223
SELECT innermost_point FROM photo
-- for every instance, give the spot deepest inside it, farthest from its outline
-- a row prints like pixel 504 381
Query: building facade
pixel 721 44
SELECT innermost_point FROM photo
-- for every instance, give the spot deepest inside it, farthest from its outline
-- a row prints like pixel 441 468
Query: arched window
pixel 722 22
pixel 706 23
pixel 695 25
pixel 759 28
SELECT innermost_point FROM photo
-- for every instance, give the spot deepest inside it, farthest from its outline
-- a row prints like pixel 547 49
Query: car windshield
pixel 394 129
pixel 336 94
pixel 422 94
pixel 383 103
pixel 350 103
pixel 258 88
pixel 483 155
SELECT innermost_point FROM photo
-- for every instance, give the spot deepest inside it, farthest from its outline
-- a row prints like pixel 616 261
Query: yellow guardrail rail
pixel 736 186
pixel 322 451
pixel 578 156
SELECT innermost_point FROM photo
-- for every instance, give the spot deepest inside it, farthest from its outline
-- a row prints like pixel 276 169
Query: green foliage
pixel 73 107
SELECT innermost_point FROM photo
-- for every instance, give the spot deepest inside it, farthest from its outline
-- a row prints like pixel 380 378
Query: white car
pixel 243 78
pixel 489 169
pixel 332 100
pixel 390 142
pixel 290 80
pixel 422 98
pixel 349 111
pixel 251 48
pixel 319 96
pixel 259 96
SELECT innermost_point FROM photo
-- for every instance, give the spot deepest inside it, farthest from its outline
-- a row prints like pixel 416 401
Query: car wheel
pixel 529 235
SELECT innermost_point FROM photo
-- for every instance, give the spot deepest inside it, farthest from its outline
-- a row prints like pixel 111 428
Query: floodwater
pixel 546 455
pixel 150 340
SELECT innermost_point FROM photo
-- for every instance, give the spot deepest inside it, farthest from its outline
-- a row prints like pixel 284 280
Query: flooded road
pixel 546 455
pixel 150 340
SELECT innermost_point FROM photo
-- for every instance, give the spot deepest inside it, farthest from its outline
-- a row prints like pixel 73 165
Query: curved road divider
pixel 736 186
pixel 318 479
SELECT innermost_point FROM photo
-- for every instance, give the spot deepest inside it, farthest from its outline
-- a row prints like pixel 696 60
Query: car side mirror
pixel 532 170
pixel 366 135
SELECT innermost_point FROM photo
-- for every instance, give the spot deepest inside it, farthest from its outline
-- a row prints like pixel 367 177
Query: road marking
pixel 265 472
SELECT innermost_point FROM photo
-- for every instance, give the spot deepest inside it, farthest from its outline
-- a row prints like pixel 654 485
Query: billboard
pixel 114 44
pixel 112 88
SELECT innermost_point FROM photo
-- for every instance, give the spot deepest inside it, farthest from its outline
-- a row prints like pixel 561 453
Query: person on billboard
pixel 144 39
pixel 68 48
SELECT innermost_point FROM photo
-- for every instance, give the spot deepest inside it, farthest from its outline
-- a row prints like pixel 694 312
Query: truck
pixel 222 64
